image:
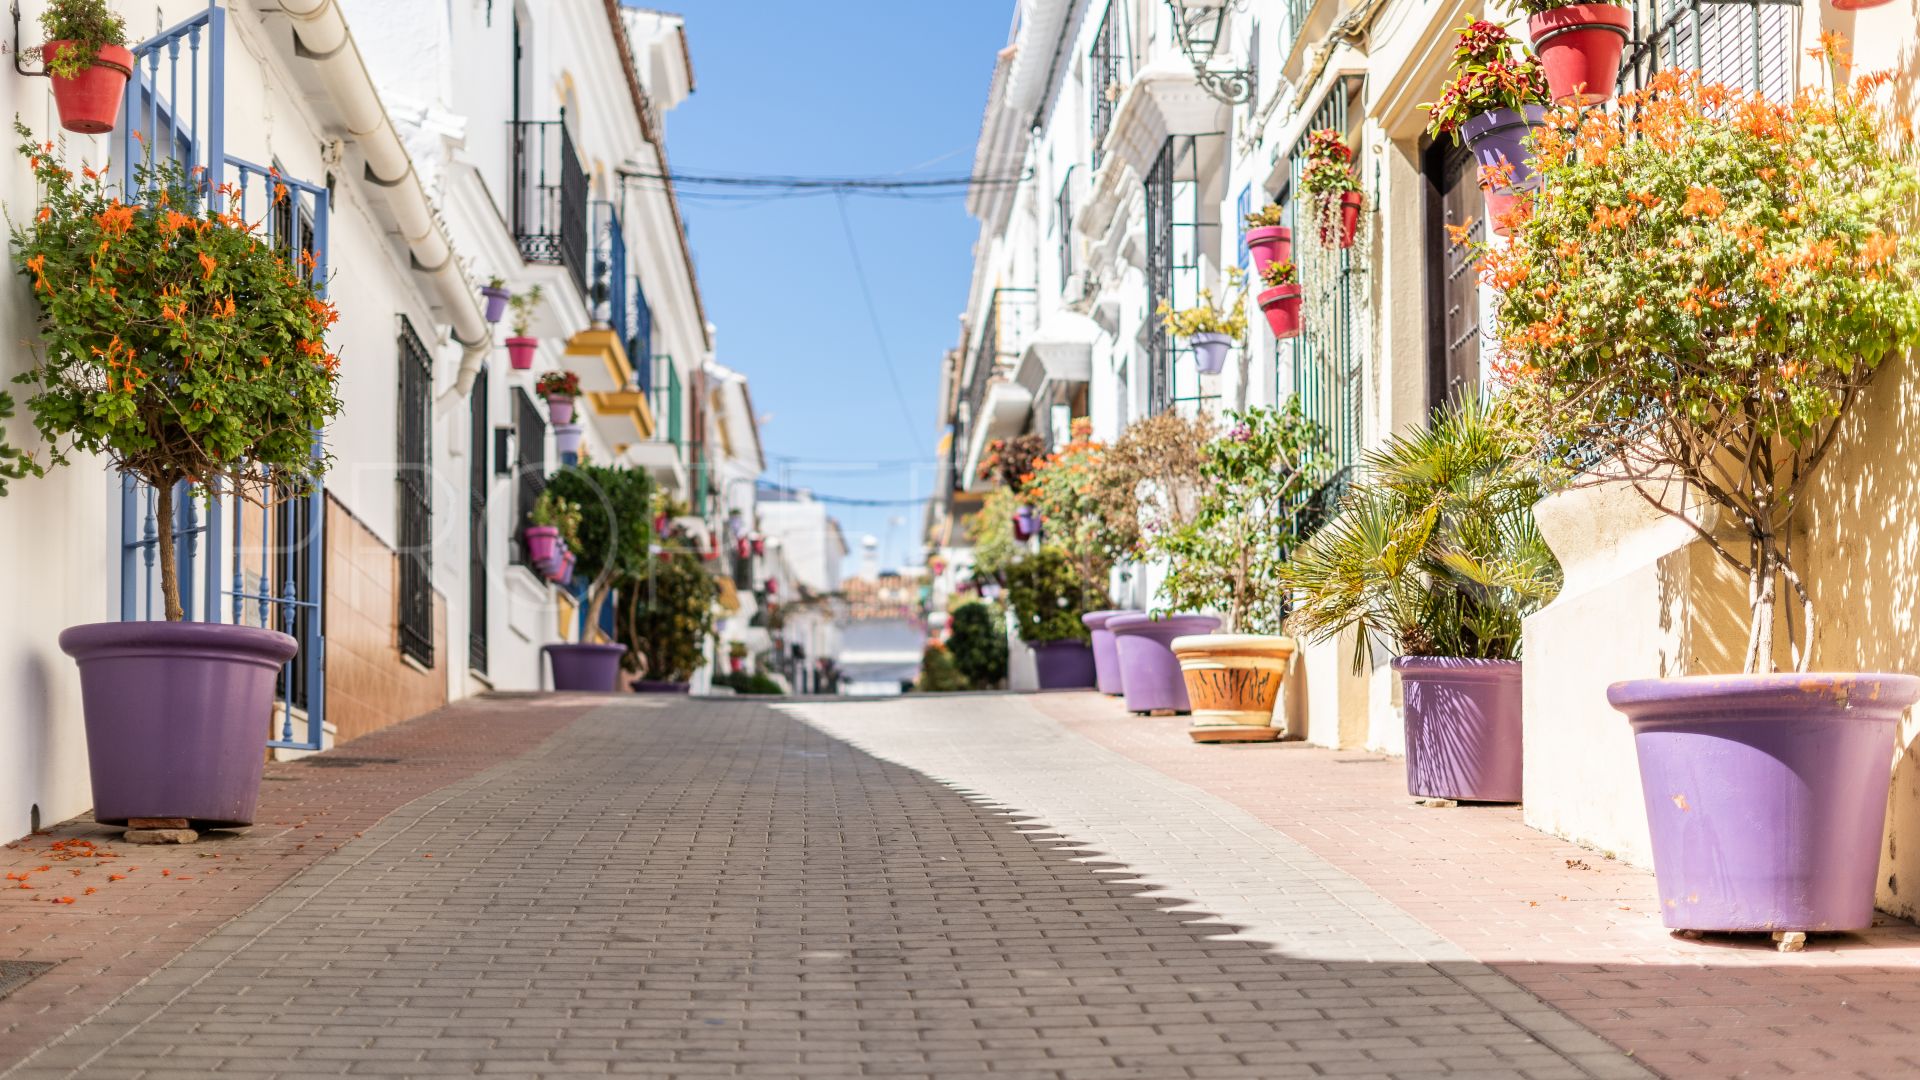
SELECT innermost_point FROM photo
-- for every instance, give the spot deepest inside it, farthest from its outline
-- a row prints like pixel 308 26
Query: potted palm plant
pixel 1269 240
pixel 204 367
pixel 1493 103
pixel 1048 598
pixel 667 612
pixel 608 545
pixel 1229 559
pixel 522 346
pixel 1328 180
pixel 1435 556
pixel 560 388
pixel 1208 327
pixel 497 294
pixel 87 62
pixel 1280 300
pixel 1579 46
pixel 1787 273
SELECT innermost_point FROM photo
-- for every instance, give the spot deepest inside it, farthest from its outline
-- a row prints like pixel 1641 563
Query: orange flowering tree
pixel 174 340
pixel 1077 506
pixel 1704 286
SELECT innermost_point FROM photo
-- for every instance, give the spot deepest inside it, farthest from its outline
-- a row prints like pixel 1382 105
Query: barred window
pixel 1745 43
pixel 416 496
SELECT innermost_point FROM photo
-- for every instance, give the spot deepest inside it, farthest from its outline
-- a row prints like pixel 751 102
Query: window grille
pixel 1180 228
pixel 1745 43
pixel 416 497
pixel 1107 76
pixel 530 461
pixel 1326 359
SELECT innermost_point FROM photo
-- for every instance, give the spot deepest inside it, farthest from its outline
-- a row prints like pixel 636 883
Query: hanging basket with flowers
pixel 1210 328
pixel 1494 103
pixel 560 388
pixel 1328 180
pixel 1280 300
pixel 1269 240
pixel 87 62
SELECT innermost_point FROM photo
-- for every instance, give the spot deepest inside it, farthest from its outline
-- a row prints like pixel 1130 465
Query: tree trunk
pixel 594 606
pixel 169 571
pixel 1246 372
pixel 1761 589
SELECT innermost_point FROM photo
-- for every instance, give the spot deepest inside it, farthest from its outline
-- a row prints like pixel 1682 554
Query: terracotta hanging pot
pixel 1579 47
pixel 90 101
pixel 1351 203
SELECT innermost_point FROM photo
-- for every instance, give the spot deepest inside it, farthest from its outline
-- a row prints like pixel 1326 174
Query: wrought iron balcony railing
pixel 548 201
pixel 1107 75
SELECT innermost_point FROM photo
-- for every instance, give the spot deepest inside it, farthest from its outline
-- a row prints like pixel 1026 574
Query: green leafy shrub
pixel 174 340
pixel 90 24
pixel 611 510
pixel 1230 557
pixel 667 605
pixel 978 642
pixel 1435 552
pixel 1047 597
pixel 938 672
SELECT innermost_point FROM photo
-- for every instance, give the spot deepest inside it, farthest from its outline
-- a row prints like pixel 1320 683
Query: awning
pixel 1061 351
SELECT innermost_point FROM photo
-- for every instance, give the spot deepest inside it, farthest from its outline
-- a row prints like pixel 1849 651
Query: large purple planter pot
pixel 593 668
pixel 1500 135
pixel 658 686
pixel 177 716
pixel 1106 662
pixel 1063 665
pixel 1766 794
pixel 1463 727
pixel 1149 671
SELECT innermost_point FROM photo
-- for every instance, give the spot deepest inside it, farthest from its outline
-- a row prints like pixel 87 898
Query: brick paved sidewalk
pixel 1578 930
pixel 133 908
pixel 716 888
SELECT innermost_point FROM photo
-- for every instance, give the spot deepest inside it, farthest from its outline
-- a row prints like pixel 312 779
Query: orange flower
pixel 209 264
pixel 1704 201
pixel 1878 249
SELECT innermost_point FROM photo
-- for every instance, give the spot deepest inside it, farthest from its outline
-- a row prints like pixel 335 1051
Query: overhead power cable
pixel 840 500
pixel 873 317
pixel 826 183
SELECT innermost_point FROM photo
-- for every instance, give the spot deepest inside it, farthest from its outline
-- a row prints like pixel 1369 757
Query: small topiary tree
pixel 175 341
pixel 612 525
pixel 978 641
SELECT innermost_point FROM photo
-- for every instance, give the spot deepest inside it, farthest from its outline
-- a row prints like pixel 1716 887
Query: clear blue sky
pixel 849 88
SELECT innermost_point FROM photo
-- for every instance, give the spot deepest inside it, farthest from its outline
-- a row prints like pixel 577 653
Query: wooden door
pixel 1453 285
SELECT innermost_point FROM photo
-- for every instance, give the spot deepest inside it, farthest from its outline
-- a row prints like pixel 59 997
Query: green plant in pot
pixel 1496 99
pixel 612 509
pixel 1048 597
pixel 1212 326
pixel 183 350
pixel 1257 479
pixel 667 608
pixel 1706 289
pixel 1267 236
pixel 522 346
pixel 1434 556
pixel 978 642
pixel 87 62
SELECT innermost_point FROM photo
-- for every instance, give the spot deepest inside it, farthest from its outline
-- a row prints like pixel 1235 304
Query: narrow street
pixel 930 887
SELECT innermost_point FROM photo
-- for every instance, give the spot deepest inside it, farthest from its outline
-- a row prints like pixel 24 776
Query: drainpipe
pixel 321 36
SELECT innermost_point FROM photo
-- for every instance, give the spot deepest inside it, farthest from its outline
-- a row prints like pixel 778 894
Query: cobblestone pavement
pixel 726 889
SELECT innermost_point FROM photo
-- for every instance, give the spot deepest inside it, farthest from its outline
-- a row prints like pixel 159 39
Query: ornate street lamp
pixel 1198 26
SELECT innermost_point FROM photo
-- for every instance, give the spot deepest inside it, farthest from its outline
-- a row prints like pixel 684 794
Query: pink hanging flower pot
pixel 1281 305
pixel 1269 244
pixel 540 541
pixel 520 351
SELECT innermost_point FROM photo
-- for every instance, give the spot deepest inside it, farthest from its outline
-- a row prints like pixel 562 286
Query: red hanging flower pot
pixel 1282 307
pixel 1345 211
pixel 1508 209
pixel 1858 5
pixel 90 101
pixel 520 352
pixel 1579 47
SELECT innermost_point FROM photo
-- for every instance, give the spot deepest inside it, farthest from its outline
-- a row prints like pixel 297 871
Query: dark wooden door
pixel 1453 285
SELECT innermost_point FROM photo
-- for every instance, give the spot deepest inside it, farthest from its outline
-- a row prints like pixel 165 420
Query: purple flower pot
pixel 1149 672
pixel 566 438
pixel 1106 662
pixel 1210 352
pixel 563 569
pixel 560 409
pixel 1063 665
pixel 1025 523
pixel 1463 727
pixel 1500 136
pixel 1766 794
pixel 496 302
pixel 593 668
pixel 658 686
pixel 541 541
pixel 177 716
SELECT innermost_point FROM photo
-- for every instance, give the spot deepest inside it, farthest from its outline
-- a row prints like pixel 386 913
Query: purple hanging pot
pixel 1463 727
pixel 566 438
pixel 1149 671
pixel 560 409
pixel 1106 662
pixel 1063 665
pixel 1025 523
pixel 1210 352
pixel 594 668
pixel 1766 794
pixel 177 715
pixel 496 302
pixel 1499 137
pixel 563 568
